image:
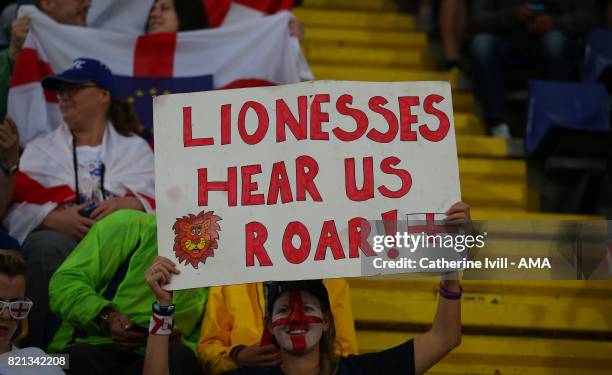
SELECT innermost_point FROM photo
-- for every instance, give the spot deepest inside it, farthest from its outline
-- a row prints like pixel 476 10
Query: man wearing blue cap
pixel 87 168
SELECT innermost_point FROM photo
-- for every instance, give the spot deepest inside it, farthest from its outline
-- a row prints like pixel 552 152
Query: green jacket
pixel 122 243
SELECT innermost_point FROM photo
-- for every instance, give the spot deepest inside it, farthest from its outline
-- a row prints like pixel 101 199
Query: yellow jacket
pixel 235 316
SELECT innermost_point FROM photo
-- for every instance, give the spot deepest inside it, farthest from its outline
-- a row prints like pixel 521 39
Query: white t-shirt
pixel 90 174
pixel 26 354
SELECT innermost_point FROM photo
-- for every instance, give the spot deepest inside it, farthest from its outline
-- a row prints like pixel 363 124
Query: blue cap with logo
pixel 83 70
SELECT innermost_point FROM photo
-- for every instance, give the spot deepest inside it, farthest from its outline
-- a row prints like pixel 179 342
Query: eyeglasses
pixel 17 309
pixel 69 89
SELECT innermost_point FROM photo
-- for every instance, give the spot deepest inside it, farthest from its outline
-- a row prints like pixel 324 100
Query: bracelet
pixel 234 352
pixel 161 325
pixel 449 294
pixel 163 310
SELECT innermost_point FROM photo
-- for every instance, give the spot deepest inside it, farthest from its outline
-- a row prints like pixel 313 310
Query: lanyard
pixel 77 199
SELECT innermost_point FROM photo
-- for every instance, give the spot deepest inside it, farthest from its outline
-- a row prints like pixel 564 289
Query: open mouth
pixel 297 331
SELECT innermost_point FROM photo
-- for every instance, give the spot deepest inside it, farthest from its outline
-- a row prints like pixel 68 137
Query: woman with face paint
pixel 300 321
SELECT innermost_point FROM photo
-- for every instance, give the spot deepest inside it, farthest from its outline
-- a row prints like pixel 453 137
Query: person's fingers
pixel 456 212
pixel 5 137
pixel 80 207
pixel 164 275
pixel 81 227
pixel 167 262
pixel 81 230
pixel 456 218
pixel 168 265
pixel 130 336
pixel 95 214
pixel 22 19
pixel 156 279
pixel 102 206
pixel 457 206
pixel 120 340
pixel 265 349
pixel 21 24
pixel 123 322
pixel 266 358
pixel 128 342
pixel 130 345
pixel 100 213
pixel 11 124
pixel 164 270
pixel 269 364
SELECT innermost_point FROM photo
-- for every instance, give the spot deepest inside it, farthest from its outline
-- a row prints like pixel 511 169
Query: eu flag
pixel 139 92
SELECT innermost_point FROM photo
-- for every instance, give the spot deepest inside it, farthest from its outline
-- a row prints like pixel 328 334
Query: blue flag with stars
pixel 139 93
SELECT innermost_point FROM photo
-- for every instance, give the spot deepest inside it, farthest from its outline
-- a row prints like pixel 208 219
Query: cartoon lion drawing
pixel 196 237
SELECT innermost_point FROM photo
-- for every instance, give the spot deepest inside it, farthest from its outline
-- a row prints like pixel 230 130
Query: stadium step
pixel 463 102
pixel 504 215
pixel 481 146
pixel 356 37
pixel 552 308
pixel 468 124
pixel 362 56
pixel 354 19
pixel 493 170
pixel 480 194
pixel 349 73
pixel 372 5
pixel 481 354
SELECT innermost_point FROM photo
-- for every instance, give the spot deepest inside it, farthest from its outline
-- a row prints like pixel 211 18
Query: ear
pixel 185 227
pixel 47 6
pixel 106 96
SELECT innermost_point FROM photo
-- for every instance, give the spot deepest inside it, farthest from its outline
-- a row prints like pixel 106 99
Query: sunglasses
pixel 17 309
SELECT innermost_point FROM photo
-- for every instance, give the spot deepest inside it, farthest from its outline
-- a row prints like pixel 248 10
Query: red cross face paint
pixel 297 321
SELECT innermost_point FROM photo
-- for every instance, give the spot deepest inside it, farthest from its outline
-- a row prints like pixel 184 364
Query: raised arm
pixel 156 357
pixel 445 332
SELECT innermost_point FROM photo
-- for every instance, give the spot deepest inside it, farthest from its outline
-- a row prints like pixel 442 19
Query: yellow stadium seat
pixel 360 56
pixel 360 37
pixel 354 19
pixel 376 5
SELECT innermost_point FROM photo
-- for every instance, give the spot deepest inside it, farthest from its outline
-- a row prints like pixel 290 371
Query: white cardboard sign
pixel 277 183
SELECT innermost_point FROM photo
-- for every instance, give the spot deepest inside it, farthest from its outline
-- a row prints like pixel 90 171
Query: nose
pixel 296 317
pixel 154 12
pixel 5 315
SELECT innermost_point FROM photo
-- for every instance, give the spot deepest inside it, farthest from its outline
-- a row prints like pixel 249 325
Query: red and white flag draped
pixel 227 12
pixel 131 16
pixel 250 53
pixel 47 176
